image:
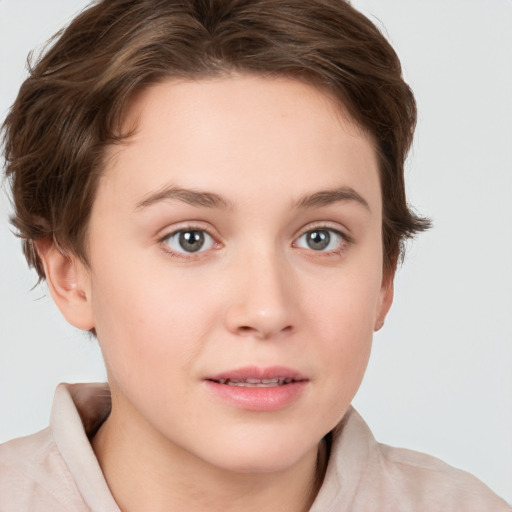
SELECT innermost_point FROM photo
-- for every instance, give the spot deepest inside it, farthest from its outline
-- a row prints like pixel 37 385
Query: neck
pixel 147 472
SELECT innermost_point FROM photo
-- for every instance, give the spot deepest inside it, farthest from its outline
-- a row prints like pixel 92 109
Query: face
pixel 235 274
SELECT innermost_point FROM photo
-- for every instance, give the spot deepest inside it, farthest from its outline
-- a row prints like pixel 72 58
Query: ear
pixel 385 300
pixel 69 283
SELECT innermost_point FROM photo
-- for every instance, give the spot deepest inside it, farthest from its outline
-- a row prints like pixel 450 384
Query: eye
pixel 321 239
pixel 189 241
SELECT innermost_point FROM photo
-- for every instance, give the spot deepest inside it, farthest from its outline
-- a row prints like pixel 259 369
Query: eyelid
pixel 328 226
pixel 192 225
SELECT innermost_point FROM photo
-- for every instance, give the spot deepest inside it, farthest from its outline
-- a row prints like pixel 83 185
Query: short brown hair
pixel 71 106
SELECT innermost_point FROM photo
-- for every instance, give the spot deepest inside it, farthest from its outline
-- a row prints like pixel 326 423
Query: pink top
pixel 56 469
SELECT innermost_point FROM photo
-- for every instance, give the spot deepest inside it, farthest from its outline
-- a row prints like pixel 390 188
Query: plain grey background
pixel 439 379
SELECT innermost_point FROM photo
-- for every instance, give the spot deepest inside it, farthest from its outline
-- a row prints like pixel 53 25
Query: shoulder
pixel 364 475
pixel 56 469
pixel 34 476
pixel 426 483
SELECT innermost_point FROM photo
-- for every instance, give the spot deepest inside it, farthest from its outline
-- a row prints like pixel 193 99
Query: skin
pixel 255 294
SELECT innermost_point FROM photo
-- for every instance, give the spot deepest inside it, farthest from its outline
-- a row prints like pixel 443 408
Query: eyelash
pixel 346 240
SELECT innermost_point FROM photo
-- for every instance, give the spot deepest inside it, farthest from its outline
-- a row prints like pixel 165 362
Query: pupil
pixel 191 241
pixel 318 240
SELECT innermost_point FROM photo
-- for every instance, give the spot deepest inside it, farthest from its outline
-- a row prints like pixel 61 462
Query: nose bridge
pixel 262 301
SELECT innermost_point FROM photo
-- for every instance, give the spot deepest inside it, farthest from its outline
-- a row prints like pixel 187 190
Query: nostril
pixel 247 330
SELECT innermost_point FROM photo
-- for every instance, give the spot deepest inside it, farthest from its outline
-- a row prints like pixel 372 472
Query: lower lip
pixel 258 399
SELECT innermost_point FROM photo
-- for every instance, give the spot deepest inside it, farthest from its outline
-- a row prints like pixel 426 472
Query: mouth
pixel 258 389
pixel 256 377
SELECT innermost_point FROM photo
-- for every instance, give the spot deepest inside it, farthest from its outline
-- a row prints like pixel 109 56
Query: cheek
pixel 346 303
pixel 145 322
pixel 344 351
pixel 344 343
pixel 343 314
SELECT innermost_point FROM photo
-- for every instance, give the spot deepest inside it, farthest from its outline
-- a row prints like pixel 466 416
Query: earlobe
pixel 385 301
pixel 68 282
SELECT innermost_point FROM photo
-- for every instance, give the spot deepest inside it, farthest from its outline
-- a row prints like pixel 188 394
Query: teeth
pixel 264 381
pixel 258 383
pixel 254 385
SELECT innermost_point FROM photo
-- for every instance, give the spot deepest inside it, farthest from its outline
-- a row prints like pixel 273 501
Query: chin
pixel 252 463
pixel 259 453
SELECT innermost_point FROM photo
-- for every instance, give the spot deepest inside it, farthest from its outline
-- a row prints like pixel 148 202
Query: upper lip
pixel 256 372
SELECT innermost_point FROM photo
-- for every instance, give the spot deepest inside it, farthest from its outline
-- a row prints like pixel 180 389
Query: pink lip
pixel 263 399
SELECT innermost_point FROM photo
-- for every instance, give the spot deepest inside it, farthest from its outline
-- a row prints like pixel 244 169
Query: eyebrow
pixel 328 197
pixel 189 196
pixel 212 200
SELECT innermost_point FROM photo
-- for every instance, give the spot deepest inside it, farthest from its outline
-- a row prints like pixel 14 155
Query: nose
pixel 262 302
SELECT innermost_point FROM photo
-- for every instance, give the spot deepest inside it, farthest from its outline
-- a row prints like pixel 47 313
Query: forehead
pixel 266 133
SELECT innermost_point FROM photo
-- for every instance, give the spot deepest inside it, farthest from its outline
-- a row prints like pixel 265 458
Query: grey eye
pixel 320 240
pixel 190 241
